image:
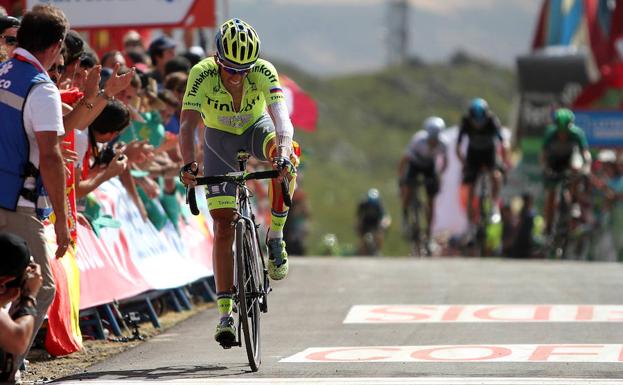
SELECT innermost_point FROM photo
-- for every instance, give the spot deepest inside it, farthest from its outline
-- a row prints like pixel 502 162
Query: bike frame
pixel 247 270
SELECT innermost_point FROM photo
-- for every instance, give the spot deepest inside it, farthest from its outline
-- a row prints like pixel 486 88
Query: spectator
pixel 88 60
pixel 176 82
pixel 31 155
pixel 74 48
pixel 20 281
pixel 112 58
pixel 161 50
pixel 108 163
pixel 194 56
pixel 132 42
pixel 139 60
pixel 57 69
pixel 8 36
pixel 177 64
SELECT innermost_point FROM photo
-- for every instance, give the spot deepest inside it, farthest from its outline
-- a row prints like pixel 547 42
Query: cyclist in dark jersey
pixel 562 139
pixel 484 131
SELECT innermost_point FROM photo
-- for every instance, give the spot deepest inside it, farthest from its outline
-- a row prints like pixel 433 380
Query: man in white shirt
pixel 30 156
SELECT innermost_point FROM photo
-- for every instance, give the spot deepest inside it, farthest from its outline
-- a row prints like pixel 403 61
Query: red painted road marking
pixel 484 313
pixel 612 353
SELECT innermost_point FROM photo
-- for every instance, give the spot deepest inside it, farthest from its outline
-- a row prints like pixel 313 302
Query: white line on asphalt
pixel 371 381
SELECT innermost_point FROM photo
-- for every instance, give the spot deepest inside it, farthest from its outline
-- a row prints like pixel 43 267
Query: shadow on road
pixel 163 373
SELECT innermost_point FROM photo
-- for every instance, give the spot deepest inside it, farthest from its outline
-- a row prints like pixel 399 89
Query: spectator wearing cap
pixel 8 36
pixel 20 281
pixel 161 50
pixel 31 120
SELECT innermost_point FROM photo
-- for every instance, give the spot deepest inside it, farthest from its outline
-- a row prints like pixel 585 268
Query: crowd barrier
pixel 122 263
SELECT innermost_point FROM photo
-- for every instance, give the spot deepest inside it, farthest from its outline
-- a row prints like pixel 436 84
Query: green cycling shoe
pixel 226 333
pixel 277 259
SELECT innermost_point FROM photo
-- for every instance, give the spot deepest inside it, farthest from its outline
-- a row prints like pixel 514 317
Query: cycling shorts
pixel 431 179
pixel 476 160
pixel 220 149
pixel 558 164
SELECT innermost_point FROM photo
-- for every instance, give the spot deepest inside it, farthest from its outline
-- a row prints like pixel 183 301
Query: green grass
pixel 365 122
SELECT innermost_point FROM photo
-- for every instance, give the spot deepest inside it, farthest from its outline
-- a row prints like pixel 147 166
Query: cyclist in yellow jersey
pixel 238 98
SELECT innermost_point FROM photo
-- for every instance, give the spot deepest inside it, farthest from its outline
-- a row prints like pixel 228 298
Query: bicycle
pixel 482 186
pixel 417 220
pixel 559 240
pixel 251 281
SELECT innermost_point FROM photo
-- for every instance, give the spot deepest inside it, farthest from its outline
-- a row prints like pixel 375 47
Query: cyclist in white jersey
pixel 421 157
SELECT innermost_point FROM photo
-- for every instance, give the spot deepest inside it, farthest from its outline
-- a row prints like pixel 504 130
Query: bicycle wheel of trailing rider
pixel 417 220
pixel 560 238
pixel 248 293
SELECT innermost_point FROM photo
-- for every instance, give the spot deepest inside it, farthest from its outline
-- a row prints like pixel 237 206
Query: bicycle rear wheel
pixel 560 237
pixel 249 293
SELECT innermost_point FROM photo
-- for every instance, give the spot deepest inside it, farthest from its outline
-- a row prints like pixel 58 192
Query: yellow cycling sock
pixel 277 223
pixel 225 305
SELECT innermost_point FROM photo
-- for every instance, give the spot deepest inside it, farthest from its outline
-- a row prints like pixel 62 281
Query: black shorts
pixel 476 160
pixel 431 179
pixel 558 164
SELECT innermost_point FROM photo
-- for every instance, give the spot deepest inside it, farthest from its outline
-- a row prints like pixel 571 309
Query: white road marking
pixel 609 353
pixel 483 313
pixel 369 381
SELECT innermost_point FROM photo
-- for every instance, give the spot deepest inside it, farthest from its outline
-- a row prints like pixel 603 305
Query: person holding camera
pixel 105 162
pixel 20 281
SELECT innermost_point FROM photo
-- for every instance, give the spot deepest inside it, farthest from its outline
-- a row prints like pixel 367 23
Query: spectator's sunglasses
pixel 59 68
pixel 231 70
pixel 9 40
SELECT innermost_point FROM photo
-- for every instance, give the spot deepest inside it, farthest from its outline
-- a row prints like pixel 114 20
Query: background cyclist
pixel 484 132
pixel 562 139
pixel 421 157
pixel 229 94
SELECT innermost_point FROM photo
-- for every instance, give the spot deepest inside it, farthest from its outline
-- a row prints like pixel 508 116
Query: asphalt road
pixel 451 321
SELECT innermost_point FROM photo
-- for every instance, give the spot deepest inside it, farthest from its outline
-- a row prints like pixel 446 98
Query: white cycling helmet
pixel 433 126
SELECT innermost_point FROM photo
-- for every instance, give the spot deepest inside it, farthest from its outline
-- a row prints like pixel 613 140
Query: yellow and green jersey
pixel 206 94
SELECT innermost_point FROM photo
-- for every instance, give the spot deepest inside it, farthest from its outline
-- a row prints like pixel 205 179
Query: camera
pixel 108 153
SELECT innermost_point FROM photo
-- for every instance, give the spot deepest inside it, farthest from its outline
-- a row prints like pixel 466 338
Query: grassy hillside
pixel 366 122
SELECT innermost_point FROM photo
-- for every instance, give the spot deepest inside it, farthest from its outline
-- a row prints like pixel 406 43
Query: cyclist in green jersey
pixel 562 139
pixel 238 98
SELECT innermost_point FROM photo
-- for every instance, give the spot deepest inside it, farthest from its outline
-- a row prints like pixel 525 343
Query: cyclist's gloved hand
pixel 284 165
pixel 188 173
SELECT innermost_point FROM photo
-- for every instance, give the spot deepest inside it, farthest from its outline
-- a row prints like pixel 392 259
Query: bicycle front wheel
pixel 248 293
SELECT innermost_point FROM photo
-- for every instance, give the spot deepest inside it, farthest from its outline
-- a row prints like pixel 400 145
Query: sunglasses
pixel 9 40
pixel 58 68
pixel 233 71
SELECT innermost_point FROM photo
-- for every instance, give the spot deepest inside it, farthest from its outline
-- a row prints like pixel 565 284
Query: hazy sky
pixel 339 36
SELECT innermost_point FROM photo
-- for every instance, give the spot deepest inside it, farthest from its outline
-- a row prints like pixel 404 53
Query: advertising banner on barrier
pixel 99 268
pixel 162 263
pixel 602 128
pixel 135 13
